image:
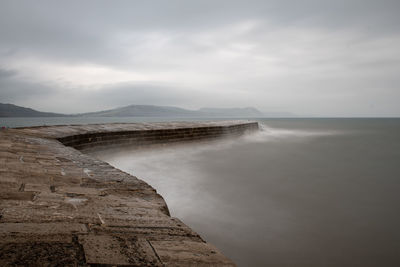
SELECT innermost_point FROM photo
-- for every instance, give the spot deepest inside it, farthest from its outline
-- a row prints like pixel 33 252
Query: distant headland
pixel 10 110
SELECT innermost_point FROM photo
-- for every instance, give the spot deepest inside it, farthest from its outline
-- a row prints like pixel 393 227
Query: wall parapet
pixel 157 136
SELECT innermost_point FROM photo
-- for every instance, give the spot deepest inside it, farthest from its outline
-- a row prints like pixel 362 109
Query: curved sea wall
pixel 176 132
pixel 61 206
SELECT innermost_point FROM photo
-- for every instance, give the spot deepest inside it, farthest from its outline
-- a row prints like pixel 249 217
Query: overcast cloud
pixel 311 58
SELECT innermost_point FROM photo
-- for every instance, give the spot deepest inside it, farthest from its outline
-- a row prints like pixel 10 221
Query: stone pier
pixel 61 207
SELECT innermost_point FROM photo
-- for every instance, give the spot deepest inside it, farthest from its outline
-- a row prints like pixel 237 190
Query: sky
pixel 310 58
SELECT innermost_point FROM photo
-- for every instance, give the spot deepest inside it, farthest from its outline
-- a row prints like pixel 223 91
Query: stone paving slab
pixel 186 253
pixel 42 228
pixel 60 207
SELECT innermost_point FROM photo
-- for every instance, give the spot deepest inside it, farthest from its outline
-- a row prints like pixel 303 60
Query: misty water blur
pixel 301 192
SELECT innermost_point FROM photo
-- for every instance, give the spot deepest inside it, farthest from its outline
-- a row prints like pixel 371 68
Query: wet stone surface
pixel 60 207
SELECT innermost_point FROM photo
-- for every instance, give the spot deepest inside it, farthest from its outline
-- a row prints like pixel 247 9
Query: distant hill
pixel 163 111
pixel 143 111
pixel 10 110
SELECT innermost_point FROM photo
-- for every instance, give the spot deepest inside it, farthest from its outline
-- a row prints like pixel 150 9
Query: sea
pixel 300 192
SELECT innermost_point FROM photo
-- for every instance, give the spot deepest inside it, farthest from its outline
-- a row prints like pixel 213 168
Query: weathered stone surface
pixel 18 195
pixel 42 228
pixel 186 253
pixel 33 253
pixel 61 207
pixel 118 250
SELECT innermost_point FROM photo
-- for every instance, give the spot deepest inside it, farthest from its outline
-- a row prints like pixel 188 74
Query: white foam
pixel 267 134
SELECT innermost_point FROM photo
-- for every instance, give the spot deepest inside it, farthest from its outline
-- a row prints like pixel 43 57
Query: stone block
pixel 40 254
pixel 28 196
pixel 189 253
pixel 42 228
pixel 117 250
pixel 103 250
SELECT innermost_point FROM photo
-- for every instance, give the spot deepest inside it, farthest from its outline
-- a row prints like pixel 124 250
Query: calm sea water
pixel 301 192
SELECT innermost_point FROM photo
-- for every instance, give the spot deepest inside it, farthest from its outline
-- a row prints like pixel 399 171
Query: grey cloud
pixel 20 92
pixel 309 68
pixel 6 73
pixel 126 94
pixel 76 29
